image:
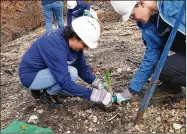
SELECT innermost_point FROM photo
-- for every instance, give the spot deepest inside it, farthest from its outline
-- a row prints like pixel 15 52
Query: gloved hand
pixel 99 84
pixel 101 96
pixel 122 97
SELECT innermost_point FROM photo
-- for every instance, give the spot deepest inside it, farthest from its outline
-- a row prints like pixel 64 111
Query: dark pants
pixel 174 71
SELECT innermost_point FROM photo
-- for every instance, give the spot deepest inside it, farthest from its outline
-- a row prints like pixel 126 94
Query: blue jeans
pixel 45 80
pixel 48 10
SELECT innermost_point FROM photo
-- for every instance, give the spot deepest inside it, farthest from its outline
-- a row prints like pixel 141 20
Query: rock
pixel 171 131
pixel 177 126
pixel 90 117
pixel 128 105
pixel 182 102
pixel 183 130
pixel 94 130
pixel 90 130
pixel 170 120
pixel 128 69
pixel 40 111
pixel 68 132
pixel 119 70
pixel 94 119
pixel 158 118
pixel 115 131
pixel 177 131
pixel 33 119
pixel 140 128
pixel 161 129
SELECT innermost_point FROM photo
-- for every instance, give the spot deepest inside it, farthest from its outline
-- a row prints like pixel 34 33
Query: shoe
pixel 166 90
pixel 36 94
pixel 52 100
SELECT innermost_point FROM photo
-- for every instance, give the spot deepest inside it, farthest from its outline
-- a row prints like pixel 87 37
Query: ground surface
pixel 120 50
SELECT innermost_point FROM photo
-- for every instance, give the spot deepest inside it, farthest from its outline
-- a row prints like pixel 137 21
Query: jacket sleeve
pixel 151 56
pixel 84 5
pixel 56 60
pixel 69 17
pixel 84 70
pixel 79 10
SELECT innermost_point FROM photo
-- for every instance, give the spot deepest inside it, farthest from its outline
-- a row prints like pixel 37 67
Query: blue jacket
pixel 77 11
pixel 169 11
pixel 52 51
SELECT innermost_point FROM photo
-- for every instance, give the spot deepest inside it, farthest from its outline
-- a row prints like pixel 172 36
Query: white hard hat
pixel 93 13
pixel 123 8
pixel 71 4
pixel 88 29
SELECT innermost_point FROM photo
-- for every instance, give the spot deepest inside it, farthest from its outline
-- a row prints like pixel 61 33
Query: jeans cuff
pixel 132 91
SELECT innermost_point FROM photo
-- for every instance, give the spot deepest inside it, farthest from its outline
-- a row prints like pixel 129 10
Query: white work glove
pixel 99 84
pixel 123 96
pixel 101 96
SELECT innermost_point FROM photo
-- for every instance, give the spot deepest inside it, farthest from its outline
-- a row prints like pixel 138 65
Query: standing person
pixel 55 60
pixel 50 8
pixel 156 20
pixel 77 9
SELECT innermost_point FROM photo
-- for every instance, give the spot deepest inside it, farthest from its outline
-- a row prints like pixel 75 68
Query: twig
pixel 113 117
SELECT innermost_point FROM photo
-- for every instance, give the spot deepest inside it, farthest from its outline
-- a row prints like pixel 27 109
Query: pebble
pixel 171 131
pixel 161 129
pixel 33 119
pixel 94 130
pixel 170 120
pixel 177 131
pixel 90 117
pixel 114 131
pixel 183 130
pixel 119 70
pixel 40 111
pixel 140 128
pixel 128 69
pixel 94 119
pixel 158 118
pixel 90 129
pixel 68 132
pixel 128 105
pixel 177 126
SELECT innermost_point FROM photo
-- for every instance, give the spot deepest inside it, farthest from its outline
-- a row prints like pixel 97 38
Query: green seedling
pixel 108 81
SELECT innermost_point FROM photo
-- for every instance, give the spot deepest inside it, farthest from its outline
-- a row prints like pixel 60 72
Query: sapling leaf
pixel 108 81
pixel 107 77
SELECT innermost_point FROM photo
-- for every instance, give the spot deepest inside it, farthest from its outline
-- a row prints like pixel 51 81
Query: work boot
pixel 36 94
pixel 164 89
pixel 52 100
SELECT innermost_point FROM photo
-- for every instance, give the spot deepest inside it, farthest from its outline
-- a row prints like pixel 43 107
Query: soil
pixel 120 50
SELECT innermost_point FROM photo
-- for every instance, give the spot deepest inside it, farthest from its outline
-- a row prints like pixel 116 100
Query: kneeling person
pixel 55 60
pixel 156 20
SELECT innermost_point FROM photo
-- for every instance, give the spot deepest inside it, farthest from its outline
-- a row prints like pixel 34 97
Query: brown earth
pixel 18 18
pixel 120 50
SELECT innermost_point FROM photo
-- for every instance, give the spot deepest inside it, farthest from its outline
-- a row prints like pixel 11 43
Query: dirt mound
pixel 19 17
